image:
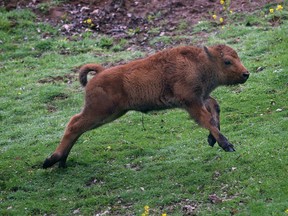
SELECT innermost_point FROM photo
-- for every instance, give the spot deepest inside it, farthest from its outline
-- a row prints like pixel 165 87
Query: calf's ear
pixel 209 54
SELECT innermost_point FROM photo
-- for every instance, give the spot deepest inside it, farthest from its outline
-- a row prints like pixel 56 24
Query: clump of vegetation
pixel 44 45
pixel 105 42
pixel 131 32
pixel 276 14
pixel 226 11
pixel 89 23
pixel 44 7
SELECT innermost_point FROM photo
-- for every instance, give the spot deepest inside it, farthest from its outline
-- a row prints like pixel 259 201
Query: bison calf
pixel 181 77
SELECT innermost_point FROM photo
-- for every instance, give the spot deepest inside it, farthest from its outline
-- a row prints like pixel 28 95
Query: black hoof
pixel 50 161
pixel 229 148
pixel 47 163
pixel 211 140
pixel 62 164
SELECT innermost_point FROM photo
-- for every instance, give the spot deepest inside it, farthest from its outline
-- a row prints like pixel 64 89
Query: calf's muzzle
pixel 246 75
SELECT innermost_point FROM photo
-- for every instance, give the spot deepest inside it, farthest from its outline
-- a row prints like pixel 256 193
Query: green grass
pixel 164 163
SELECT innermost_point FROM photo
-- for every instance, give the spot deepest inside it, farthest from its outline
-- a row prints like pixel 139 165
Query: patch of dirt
pixel 51 108
pixel 138 21
pixel 60 96
pixel 50 105
pixel 67 78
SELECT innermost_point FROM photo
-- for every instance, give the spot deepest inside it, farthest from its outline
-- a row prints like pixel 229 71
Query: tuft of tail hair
pixel 85 69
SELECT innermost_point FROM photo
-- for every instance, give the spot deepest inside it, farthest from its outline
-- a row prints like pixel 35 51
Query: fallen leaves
pixel 214 199
pixel 189 209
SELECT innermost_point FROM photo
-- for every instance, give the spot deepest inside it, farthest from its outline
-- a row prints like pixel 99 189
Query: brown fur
pixel 181 77
pixel 85 69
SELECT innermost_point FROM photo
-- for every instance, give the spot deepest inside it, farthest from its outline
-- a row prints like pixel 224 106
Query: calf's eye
pixel 227 62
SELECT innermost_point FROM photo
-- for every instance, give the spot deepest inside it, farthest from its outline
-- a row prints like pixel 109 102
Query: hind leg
pixel 213 107
pixel 97 112
pixel 72 132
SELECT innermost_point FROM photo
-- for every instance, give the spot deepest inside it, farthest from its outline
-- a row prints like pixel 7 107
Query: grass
pixel 164 162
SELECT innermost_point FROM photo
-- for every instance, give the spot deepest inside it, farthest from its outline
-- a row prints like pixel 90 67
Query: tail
pixel 85 69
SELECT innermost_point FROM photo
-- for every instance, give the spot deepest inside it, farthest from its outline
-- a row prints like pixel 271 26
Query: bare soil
pixel 135 20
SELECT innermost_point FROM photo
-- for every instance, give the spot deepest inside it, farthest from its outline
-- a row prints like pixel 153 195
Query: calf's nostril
pixel 246 75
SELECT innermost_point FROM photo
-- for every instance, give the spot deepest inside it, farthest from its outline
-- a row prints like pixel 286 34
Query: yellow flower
pixel 164 214
pixel 221 20
pixel 279 7
pixel 222 2
pixel 231 11
pixel 109 148
pixel 146 211
pixel 89 21
pixel 214 16
pixel 146 208
pixel 224 8
pixel 271 10
pixel 286 211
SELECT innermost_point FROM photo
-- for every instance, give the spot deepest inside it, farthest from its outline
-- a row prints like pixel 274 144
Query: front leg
pixel 213 107
pixel 203 117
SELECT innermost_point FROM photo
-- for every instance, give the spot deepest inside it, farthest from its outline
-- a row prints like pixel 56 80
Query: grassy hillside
pixel 162 159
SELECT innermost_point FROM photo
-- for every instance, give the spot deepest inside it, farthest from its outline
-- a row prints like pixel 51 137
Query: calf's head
pixel 229 68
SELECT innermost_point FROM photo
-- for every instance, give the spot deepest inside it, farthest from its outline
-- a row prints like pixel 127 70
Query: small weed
pixel 119 46
pixel 154 31
pixel 89 23
pixel 183 25
pixel 5 24
pixel 21 15
pixel 44 45
pixel 276 14
pixel 132 32
pixel 152 17
pixel 163 40
pixel 46 6
pixel 225 16
pixel 203 26
pixel 105 42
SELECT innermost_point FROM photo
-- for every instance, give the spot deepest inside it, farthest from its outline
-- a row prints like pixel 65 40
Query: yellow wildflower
pixel 231 11
pixel 271 10
pixel 222 2
pixel 214 16
pixel 146 208
pixel 279 7
pixel 224 8
pixel 89 21
pixel 164 214
pixel 286 211
pixel 221 20
pixel 109 147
